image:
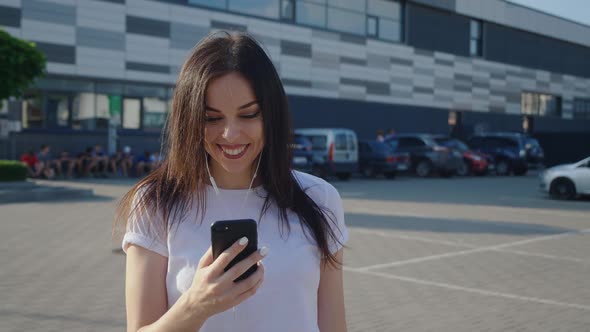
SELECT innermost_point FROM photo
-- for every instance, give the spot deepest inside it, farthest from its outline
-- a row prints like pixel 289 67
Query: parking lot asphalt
pixel 460 254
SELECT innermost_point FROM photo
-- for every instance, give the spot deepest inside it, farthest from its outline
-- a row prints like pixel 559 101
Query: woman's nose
pixel 231 131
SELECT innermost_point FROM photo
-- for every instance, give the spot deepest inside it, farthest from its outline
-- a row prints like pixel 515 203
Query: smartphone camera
pixel 221 229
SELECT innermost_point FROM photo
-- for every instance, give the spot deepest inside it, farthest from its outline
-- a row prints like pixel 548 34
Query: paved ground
pixel 462 254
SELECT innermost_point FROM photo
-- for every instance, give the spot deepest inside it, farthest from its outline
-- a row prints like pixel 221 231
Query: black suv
pixel 379 158
pixel 512 152
pixel 426 155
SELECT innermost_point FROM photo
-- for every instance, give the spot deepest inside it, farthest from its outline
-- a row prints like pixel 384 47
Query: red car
pixel 473 162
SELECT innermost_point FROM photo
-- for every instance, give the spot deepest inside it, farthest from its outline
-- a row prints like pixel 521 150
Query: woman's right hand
pixel 214 291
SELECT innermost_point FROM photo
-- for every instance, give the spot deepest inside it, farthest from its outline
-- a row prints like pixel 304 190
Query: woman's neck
pixel 225 180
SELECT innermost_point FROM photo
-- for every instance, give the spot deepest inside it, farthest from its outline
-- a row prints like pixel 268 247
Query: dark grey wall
pixel 445 31
pixel 75 142
pixel 364 117
pixel 527 49
pixel 437 30
pixel 443 4
pixel 10 16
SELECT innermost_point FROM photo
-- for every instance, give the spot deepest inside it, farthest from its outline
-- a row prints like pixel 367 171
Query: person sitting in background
pixel 390 134
pixel 45 163
pixel 380 137
pixel 30 159
pixel 83 161
pixel 143 164
pixel 65 163
pixel 122 159
pixel 156 160
pixel 115 161
pixel 99 162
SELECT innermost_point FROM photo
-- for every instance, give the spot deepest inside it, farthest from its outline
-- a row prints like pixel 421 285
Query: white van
pixel 335 151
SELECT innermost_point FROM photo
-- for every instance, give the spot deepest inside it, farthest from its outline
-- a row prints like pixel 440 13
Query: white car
pixel 567 181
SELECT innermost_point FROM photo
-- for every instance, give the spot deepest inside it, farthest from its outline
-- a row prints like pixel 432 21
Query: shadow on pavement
pixel 404 223
pixel 518 192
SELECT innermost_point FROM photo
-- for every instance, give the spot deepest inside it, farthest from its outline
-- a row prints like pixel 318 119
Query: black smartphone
pixel 224 233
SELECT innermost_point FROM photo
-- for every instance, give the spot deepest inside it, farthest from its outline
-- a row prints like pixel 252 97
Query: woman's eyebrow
pixel 248 104
pixel 209 108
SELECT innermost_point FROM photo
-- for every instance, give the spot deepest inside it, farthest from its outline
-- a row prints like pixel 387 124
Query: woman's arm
pixel 212 291
pixel 146 297
pixel 331 313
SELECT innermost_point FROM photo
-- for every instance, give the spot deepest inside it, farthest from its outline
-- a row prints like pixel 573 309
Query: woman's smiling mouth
pixel 233 151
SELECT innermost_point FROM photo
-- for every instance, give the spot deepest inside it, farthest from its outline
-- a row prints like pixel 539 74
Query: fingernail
pixel 264 251
pixel 243 241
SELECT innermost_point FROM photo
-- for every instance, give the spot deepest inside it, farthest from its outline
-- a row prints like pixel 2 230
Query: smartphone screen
pixel 224 233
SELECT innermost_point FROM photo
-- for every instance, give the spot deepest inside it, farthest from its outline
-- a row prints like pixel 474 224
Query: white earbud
pixel 210 176
pixel 214 184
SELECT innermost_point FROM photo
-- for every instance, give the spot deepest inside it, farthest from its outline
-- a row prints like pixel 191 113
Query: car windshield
pixel 452 143
pixel 318 142
pixel 301 140
pixel 459 145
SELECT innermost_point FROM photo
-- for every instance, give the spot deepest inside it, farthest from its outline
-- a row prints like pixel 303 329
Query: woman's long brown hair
pixel 169 191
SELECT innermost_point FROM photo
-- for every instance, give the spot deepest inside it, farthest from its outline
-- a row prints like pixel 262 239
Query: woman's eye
pixel 251 116
pixel 211 119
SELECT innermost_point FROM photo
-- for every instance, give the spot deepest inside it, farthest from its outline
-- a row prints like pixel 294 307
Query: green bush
pixel 12 170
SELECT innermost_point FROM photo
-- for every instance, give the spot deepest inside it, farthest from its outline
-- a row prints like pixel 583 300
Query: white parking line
pixel 470 251
pixel 466 245
pixel 534 254
pixel 410 237
pixel 471 290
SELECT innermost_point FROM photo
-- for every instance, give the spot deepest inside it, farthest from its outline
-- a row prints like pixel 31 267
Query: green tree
pixel 20 63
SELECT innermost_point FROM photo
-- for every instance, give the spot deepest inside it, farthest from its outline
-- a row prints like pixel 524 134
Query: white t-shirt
pixel 287 299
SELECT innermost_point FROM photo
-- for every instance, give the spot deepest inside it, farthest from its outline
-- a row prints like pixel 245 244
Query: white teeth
pixel 233 152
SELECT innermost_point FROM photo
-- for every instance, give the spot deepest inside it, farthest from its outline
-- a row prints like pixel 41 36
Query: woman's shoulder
pixel 318 189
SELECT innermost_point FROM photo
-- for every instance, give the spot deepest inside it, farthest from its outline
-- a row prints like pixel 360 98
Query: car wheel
pixel 343 176
pixel 562 189
pixel 520 171
pixel 502 167
pixel 463 169
pixel 424 168
pixel 390 175
pixel 369 172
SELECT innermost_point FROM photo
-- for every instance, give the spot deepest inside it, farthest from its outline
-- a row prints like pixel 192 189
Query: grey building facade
pixel 415 65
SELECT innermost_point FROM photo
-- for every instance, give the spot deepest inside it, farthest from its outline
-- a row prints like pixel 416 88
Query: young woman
pixel 227 156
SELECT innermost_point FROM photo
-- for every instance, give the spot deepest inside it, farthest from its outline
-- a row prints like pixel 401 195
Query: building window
pixel 581 108
pixel 264 8
pixel 103 114
pixel 390 30
pixel 540 104
pixel 475 38
pixel 57 110
pixel 32 111
pixel 288 10
pixel 154 113
pixel 346 21
pixel 4 106
pixel 372 24
pixel 354 5
pixel 84 111
pixel 389 18
pixel 312 14
pixel 208 3
pixel 131 113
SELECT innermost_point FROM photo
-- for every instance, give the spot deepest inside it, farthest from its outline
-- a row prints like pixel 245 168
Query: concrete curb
pixel 21 192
